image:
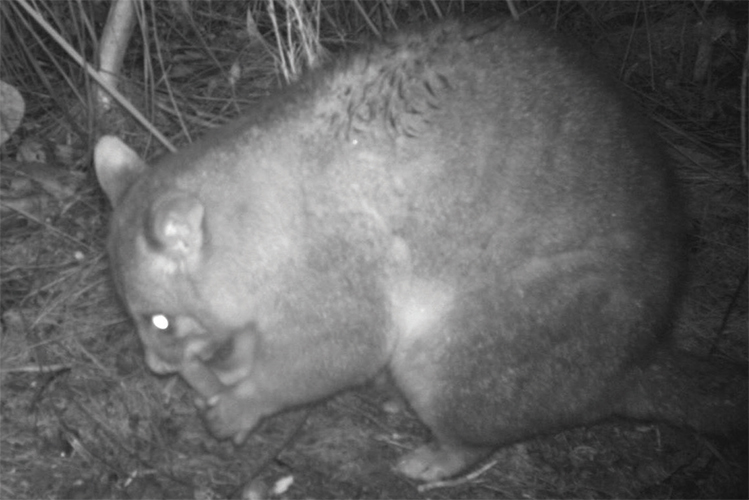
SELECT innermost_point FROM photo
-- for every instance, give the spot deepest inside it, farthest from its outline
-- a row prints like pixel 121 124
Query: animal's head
pixel 156 245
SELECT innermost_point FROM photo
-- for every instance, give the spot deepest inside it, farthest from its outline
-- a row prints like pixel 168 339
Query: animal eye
pixel 161 322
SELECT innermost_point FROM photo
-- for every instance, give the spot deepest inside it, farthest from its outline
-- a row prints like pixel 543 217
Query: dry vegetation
pixel 82 417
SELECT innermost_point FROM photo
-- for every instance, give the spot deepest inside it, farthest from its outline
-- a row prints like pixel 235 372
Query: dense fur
pixel 467 206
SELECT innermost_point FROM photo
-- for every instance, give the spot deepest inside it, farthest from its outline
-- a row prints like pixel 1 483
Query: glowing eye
pixel 160 321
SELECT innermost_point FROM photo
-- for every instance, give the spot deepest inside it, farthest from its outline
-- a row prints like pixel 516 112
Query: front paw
pixel 227 416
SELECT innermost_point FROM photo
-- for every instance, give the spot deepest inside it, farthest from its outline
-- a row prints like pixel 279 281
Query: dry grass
pixel 82 417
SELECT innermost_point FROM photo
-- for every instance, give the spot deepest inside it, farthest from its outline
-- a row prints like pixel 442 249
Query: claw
pixel 241 436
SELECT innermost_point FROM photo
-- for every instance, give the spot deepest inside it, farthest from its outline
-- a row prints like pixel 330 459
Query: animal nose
pixel 158 365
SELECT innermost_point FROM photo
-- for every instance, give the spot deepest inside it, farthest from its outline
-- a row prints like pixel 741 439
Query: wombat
pixel 467 208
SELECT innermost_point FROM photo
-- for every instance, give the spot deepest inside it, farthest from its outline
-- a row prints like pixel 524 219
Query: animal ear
pixel 177 225
pixel 117 167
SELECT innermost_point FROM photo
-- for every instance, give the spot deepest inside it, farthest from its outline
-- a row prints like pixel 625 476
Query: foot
pixel 434 462
pixel 229 416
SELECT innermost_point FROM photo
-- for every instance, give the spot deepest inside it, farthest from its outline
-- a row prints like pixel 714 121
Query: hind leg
pixel 481 379
pixel 446 454
pixel 418 370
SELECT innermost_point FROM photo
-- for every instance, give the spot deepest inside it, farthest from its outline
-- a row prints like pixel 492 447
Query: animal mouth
pixel 158 365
